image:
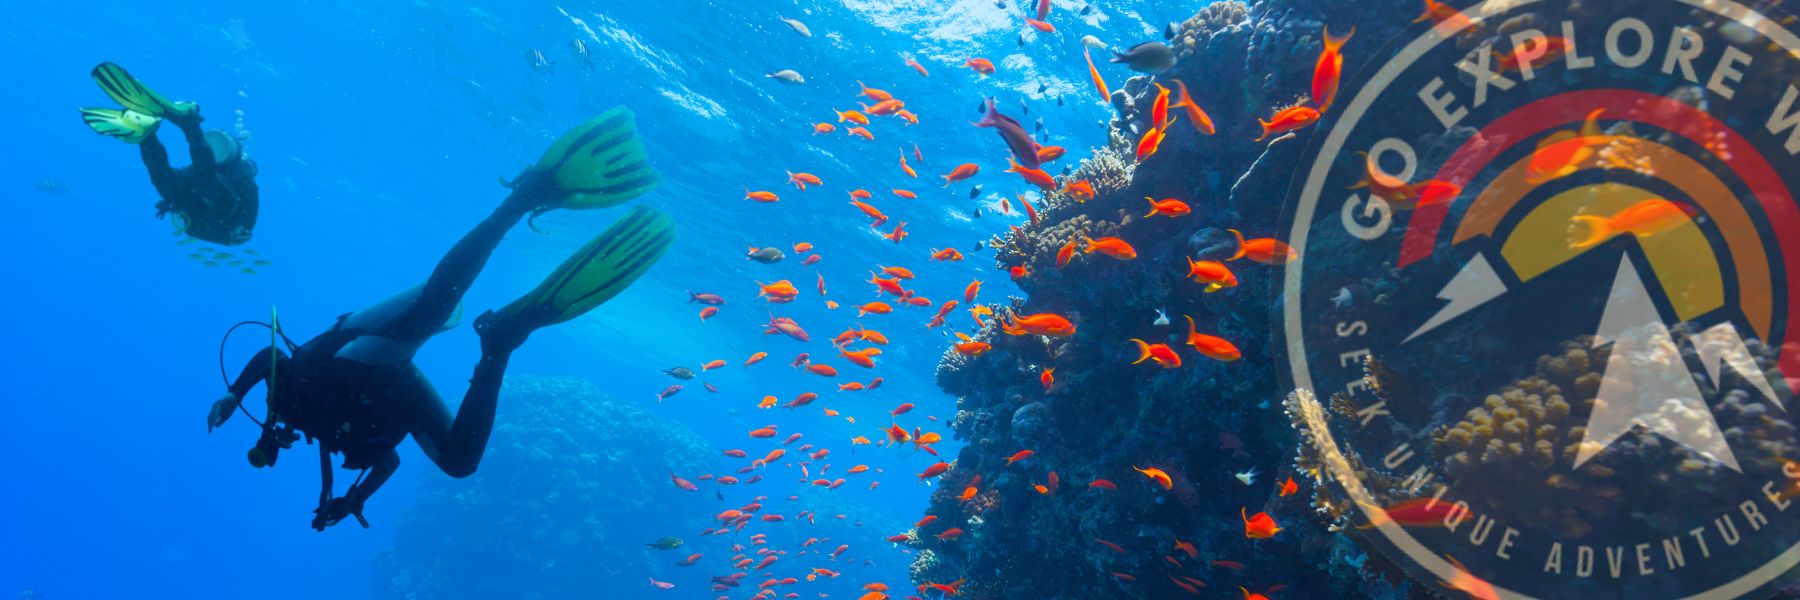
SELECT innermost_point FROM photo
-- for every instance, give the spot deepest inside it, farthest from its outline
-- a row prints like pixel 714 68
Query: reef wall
pixel 1203 422
pixel 567 495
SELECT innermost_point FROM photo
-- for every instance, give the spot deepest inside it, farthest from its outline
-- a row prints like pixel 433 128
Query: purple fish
pixel 1024 149
pixel 670 391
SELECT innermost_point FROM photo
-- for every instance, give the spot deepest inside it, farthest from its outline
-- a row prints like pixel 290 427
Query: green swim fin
pixel 600 270
pixel 600 163
pixel 131 94
pixel 128 126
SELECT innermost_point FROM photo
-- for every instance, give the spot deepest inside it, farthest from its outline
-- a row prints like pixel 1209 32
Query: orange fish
pixel 961 172
pixel 1049 153
pixel 1168 207
pixel 1018 272
pixel 1045 324
pixel 854 386
pixel 971 290
pixel 873 94
pixel 756 358
pixel 1082 190
pixel 1213 274
pixel 801 180
pixel 902 409
pixel 1564 152
pixel 778 292
pixel 968 492
pixel 906 168
pixel 1018 456
pixel 1215 348
pixel 1288 488
pixel 1249 595
pixel 950 254
pixel 1466 582
pixel 859 359
pixel 1037 177
pixel 1644 219
pixel 1158 476
pixel 904 193
pixel 898 234
pixel 1161 353
pixel 765 432
pixel 884 107
pixel 708 312
pixel 980 65
pixel 851 116
pixel 1198 118
pixel 1124 576
pixel 950 534
pixel 1110 246
pixel 1259 527
pixel 822 370
pixel 1102 484
pixel 917 67
pixel 934 470
pixel 1513 60
pixel 1048 378
pixel 1099 84
pixel 858 469
pixel 1329 68
pixel 1159 108
pixel 862 133
pixel 879 308
pixel 802 248
pixel 969 347
pixel 872 212
pixel 712 365
pixel 819 128
pixel 1151 140
pixel 760 196
pixel 1289 119
pixel 1187 548
pixel 1268 251
pixel 1043 26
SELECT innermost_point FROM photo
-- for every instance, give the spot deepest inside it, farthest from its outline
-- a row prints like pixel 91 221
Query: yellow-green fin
pixel 600 270
pixel 128 126
pixel 131 94
pixel 600 163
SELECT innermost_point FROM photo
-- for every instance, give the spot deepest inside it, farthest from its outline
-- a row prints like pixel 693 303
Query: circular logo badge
pixel 1542 319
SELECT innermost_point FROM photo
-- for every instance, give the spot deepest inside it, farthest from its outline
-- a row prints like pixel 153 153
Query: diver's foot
pixel 607 265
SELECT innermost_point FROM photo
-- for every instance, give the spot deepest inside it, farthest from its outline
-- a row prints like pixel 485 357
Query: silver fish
pixel 1342 299
pixel 1162 318
pixel 1172 30
pixel 582 58
pixel 539 62
pixel 974 193
pixel 787 76
pixel 797 26
pixel 1093 42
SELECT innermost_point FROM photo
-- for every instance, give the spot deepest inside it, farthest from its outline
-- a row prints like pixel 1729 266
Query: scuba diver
pixel 214 198
pixel 354 388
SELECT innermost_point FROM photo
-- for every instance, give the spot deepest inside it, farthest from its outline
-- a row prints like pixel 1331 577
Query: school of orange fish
pixel 861 346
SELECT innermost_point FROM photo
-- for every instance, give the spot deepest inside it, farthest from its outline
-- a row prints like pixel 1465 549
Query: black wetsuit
pixel 363 411
pixel 216 201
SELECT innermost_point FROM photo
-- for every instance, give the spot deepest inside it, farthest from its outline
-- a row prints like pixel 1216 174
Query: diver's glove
pixel 221 411
pixel 335 510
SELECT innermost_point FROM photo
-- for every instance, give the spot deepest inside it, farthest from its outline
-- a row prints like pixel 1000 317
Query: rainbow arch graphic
pixel 1680 254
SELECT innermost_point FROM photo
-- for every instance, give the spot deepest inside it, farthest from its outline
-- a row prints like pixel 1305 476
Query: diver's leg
pixel 162 176
pixel 199 152
pixel 456 444
pixel 455 272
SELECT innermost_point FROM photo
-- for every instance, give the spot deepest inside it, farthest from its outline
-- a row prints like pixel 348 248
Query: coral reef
pixel 558 508
pixel 1106 416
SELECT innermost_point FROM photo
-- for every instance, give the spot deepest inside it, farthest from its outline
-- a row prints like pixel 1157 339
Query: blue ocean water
pixel 380 130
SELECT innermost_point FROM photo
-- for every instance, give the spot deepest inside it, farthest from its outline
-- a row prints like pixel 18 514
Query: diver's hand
pixel 335 510
pixel 221 411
